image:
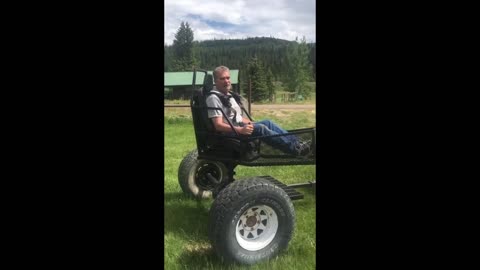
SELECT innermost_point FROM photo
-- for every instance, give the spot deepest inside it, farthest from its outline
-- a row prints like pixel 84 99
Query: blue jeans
pixel 285 143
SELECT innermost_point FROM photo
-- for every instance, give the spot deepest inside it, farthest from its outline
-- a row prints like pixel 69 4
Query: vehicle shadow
pixel 203 257
pixel 184 216
pixel 187 218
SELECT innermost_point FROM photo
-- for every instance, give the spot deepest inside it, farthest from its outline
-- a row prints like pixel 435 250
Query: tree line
pixel 261 59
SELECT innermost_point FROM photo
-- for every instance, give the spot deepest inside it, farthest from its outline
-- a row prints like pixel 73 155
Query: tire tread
pixel 227 200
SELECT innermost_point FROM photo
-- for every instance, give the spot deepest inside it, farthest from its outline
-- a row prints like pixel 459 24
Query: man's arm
pixel 217 117
pixel 222 127
pixel 246 120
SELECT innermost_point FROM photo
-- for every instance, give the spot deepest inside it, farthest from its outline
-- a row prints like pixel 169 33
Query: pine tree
pixel 167 60
pixel 298 69
pixel 183 49
pixel 270 86
pixel 256 74
pixel 313 61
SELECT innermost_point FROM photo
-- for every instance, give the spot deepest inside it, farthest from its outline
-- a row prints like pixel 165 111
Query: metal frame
pixel 231 163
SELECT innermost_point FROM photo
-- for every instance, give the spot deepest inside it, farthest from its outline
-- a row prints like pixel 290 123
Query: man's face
pixel 222 82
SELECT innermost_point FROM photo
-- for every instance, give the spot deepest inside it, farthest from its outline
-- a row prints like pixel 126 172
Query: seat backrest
pixel 201 121
pixel 207 84
pixel 202 124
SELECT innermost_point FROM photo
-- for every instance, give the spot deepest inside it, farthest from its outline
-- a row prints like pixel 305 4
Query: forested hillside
pixel 236 54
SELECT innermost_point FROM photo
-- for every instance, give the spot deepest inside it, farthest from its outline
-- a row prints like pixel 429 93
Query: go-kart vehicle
pixel 250 219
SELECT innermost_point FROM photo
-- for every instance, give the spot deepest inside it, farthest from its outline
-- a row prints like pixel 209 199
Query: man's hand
pixel 246 130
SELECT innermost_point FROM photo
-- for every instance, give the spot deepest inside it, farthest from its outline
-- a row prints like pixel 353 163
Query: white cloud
pixel 210 19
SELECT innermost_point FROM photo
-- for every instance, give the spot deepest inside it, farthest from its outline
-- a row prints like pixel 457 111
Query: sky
pixel 237 19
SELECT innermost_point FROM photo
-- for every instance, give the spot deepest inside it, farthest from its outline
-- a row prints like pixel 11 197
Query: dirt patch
pixel 276 113
pixel 199 248
pixel 277 110
pixel 283 106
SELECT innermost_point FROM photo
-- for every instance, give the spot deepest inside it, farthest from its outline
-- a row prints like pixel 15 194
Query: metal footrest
pixel 291 192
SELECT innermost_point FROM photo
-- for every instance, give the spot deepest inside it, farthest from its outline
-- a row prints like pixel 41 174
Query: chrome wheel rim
pixel 256 227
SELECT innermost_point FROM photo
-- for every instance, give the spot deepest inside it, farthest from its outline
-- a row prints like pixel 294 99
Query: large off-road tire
pixel 251 220
pixel 192 175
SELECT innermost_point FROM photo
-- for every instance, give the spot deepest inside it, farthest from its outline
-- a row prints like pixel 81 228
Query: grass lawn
pixel 186 240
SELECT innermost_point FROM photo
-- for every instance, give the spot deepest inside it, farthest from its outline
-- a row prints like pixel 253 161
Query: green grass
pixel 186 240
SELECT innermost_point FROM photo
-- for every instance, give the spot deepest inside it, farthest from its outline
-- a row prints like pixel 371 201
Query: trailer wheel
pixel 251 220
pixel 192 175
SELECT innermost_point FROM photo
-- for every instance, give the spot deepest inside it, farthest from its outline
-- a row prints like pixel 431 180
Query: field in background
pixel 279 90
pixel 185 234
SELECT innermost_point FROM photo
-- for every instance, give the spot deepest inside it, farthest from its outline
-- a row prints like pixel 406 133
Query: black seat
pixel 207 84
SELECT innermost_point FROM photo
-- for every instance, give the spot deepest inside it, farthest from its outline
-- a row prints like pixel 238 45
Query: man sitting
pixel 222 98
